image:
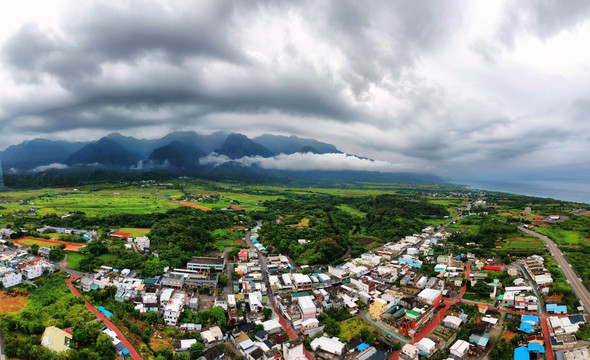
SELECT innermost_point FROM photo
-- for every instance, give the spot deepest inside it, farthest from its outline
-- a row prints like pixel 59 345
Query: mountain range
pixel 178 153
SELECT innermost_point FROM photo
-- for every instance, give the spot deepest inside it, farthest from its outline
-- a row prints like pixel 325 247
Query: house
pixel 86 283
pixel 426 346
pixel 307 307
pixel 272 326
pixel 410 352
pixel 521 353
pixel 184 345
pixel 301 282
pixel 311 327
pixel 173 281
pixel 243 255
pixel 452 322
pixel 143 242
pixel 293 352
pixel 31 271
pixel 430 297
pixel 213 353
pixel 261 335
pixel 201 263
pixel 173 308
pixel 460 349
pixel 11 278
pixel 43 251
pixel 329 345
pixel 211 335
pixel 377 307
pixel 55 339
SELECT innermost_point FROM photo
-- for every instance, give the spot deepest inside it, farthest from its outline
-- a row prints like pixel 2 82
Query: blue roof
pixel 562 309
pixel 521 353
pixel 551 307
pixel 530 318
pixel 536 347
pixel 362 346
pixel 575 319
pixel 125 352
pixel 526 327
pixel 105 311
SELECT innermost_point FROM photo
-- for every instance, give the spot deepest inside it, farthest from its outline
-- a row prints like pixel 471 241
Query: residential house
pixel 55 339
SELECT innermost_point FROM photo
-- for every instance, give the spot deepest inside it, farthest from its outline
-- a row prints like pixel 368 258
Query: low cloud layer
pixel 310 161
pixel 470 90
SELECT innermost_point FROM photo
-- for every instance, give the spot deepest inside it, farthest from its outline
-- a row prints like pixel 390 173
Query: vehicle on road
pixel 68 276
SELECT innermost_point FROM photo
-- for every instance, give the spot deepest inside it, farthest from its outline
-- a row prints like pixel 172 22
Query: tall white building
pixel 173 308
pixel 11 278
pixel 32 271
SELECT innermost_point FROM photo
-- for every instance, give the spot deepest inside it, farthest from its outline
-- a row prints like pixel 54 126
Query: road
pixel 570 274
pixel 108 323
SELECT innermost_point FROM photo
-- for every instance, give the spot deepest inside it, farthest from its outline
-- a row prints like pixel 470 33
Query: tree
pixel 223 280
pixel 133 329
pixel 267 313
pixel 481 289
pixel 181 356
pixel 196 350
pixel 105 347
pixel 34 249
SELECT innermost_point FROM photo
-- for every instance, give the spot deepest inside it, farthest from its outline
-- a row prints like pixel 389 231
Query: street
pixel 570 274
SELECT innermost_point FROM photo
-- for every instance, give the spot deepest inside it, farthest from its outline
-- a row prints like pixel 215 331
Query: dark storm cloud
pixel 393 79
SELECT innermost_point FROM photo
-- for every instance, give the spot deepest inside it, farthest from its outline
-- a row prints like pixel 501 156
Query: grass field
pixel 523 243
pixel 562 237
pixel 135 232
pixel 351 328
pixel 352 210
pixel 77 261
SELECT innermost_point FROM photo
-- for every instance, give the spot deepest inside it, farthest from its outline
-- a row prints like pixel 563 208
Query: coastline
pixel 574 191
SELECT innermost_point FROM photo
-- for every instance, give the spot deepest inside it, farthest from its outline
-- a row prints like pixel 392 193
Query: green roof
pixel 299 294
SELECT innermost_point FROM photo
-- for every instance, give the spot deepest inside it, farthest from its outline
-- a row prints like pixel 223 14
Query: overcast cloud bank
pixel 464 89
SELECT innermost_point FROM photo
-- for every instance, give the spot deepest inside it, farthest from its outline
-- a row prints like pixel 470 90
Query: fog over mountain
pixel 464 90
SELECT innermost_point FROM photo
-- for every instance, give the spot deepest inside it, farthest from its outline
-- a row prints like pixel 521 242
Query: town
pixel 453 304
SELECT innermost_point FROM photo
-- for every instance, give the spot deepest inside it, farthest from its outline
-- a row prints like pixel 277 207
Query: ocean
pixel 576 191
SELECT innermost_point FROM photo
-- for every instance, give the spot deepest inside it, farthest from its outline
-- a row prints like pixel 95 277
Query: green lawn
pixel 75 259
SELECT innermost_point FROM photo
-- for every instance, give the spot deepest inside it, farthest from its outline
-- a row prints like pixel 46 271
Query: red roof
pixel 121 234
pixel 495 268
pixel 68 331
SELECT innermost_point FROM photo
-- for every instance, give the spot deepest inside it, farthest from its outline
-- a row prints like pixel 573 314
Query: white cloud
pixel 50 166
pixel 310 161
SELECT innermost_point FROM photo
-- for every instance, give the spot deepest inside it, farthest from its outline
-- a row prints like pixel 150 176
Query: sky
pixel 461 89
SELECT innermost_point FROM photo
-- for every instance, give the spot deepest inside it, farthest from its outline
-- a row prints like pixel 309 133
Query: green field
pixel 135 232
pixel 79 261
pixel 562 237
pixel 351 328
pixel 523 243
pixel 352 210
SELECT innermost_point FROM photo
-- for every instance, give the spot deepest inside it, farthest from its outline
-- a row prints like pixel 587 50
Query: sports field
pixel 28 241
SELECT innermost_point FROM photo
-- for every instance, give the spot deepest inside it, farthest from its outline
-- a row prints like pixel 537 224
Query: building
pixel 11 278
pixel 143 242
pixel 378 307
pixel 173 281
pixel 307 307
pixel 243 255
pixel 410 352
pixel 56 339
pixel 430 297
pixel 211 335
pixel 43 251
pixel 200 263
pixel 330 345
pixel 301 282
pixel 460 349
pixel 173 308
pixel 32 271
pixel 426 346
pixel 452 322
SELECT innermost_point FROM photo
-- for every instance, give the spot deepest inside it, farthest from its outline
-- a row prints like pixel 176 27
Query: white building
pixel 173 308
pixel 452 322
pixel 426 346
pixel 143 242
pixel 329 345
pixel 307 307
pixel 302 282
pixel 11 278
pixel 460 349
pixel 32 271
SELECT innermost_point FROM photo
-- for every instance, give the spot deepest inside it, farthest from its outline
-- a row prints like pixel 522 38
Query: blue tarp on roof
pixel 362 346
pixel 530 318
pixel 526 327
pixel 536 347
pixel 105 312
pixel 521 353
